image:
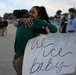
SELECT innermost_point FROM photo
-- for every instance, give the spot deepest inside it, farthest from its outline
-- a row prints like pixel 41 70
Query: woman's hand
pixel 27 21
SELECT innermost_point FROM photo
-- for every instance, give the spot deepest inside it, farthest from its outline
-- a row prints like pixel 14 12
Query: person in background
pixel 71 26
pixel 63 26
pixel 6 24
pixel 25 31
pixel 3 27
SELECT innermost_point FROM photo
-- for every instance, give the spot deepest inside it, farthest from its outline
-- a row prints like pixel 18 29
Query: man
pixel 71 26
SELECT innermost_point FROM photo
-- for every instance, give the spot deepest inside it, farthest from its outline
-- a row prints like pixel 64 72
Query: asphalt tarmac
pixel 7 51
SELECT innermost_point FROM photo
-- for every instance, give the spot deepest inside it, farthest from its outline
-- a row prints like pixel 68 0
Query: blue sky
pixel 7 6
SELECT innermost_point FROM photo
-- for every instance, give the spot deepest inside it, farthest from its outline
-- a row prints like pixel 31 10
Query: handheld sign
pixel 52 54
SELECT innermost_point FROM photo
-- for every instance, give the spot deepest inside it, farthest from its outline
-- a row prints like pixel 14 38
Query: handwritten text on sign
pixel 51 54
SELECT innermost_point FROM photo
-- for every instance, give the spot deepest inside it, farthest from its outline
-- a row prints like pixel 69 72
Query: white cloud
pixel 3 5
pixel 51 5
pixel 16 1
pixel 4 8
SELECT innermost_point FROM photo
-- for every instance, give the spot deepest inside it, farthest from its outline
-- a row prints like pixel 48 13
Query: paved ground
pixel 7 52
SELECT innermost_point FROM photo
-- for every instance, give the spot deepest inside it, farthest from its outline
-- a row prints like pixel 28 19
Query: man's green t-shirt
pixel 23 34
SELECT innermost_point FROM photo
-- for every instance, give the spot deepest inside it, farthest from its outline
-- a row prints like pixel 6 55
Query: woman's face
pixel 33 13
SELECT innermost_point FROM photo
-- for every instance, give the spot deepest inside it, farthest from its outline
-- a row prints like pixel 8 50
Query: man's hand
pixel 46 29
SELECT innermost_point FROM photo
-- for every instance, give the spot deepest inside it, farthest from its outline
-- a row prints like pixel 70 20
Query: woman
pixel 24 33
pixel 63 26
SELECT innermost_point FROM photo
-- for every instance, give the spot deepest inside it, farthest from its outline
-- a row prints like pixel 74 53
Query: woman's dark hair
pixel 63 19
pixel 42 13
pixel 20 13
